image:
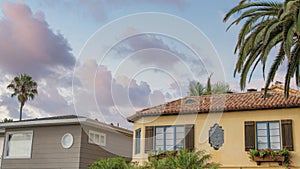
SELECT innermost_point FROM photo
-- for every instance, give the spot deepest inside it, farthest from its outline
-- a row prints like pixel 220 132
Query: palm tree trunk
pixel 21 109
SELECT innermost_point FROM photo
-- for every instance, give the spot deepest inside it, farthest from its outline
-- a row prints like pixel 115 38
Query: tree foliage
pixel 197 89
pixel 24 88
pixel 265 26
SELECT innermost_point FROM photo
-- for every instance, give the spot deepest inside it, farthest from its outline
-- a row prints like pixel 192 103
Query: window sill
pixel 269 158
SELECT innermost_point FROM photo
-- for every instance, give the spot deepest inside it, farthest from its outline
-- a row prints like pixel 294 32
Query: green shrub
pixel 184 159
pixel 180 160
pixel 111 163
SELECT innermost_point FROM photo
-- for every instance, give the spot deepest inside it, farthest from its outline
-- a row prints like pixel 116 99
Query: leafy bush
pixel 181 159
pixel 111 163
pixel 184 159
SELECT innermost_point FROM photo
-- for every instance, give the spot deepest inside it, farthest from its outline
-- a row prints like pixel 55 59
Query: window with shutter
pixel 287 134
pixel 249 135
pixel 268 135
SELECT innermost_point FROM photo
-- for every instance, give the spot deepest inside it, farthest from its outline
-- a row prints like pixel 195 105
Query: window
pixel 169 138
pixel 18 144
pixel 268 135
pixel 137 141
pixel 97 138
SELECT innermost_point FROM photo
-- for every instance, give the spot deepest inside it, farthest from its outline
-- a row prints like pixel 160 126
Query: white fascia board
pixel 48 122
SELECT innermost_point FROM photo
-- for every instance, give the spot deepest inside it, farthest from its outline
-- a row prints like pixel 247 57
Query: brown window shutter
pixel 249 135
pixel 189 137
pixel 149 138
pixel 287 134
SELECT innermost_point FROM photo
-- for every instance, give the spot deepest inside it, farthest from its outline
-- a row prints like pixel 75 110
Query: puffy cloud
pixel 105 97
pixel 28 45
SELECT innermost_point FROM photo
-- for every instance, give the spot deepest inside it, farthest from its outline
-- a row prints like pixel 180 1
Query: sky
pixel 107 59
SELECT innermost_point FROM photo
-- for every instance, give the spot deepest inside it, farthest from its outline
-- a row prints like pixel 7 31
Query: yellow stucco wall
pixel 232 154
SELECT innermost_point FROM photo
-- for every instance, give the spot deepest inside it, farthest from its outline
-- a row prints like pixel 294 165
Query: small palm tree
pixel 24 88
pixel 196 88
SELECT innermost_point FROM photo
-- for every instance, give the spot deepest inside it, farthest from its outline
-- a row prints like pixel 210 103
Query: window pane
pixel 262 139
pixel 169 135
pixel 179 135
pixel 102 139
pixel 262 146
pixel 170 142
pixel 169 147
pixel 97 139
pixel 274 132
pixel 160 136
pixel 92 137
pixel 179 129
pixel 275 139
pixel 19 145
pixel 159 142
pixel 261 125
pixel 170 130
pixel 262 133
pixel 159 130
pixel 137 141
pixel 274 125
pixel 275 146
pixel 179 147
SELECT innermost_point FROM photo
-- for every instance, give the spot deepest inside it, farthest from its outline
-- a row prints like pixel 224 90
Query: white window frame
pixel 6 144
pixel 92 140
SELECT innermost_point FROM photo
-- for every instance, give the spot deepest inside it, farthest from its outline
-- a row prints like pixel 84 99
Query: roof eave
pixel 49 122
pixel 132 119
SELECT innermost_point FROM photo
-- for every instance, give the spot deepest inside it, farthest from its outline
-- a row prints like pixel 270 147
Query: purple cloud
pixel 28 45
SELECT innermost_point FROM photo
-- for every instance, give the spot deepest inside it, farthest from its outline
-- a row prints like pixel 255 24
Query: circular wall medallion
pixel 67 140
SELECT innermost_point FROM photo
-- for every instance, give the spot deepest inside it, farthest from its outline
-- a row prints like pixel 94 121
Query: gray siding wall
pixel 117 144
pixel 47 152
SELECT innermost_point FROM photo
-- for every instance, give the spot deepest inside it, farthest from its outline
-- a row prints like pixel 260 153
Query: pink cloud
pixel 28 45
pixel 100 91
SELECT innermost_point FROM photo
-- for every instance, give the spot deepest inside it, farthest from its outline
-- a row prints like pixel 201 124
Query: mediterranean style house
pixel 64 142
pixel 227 126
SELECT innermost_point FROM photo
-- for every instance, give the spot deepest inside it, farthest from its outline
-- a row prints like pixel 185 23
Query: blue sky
pixel 108 59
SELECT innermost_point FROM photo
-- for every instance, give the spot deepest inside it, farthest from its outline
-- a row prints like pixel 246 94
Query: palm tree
pixel 25 88
pixel 267 25
pixel 208 85
pixel 220 87
pixel 196 88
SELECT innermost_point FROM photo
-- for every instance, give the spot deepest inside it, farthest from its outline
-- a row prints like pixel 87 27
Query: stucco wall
pixel 232 154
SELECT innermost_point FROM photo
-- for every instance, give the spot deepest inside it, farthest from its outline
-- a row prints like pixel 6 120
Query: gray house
pixel 61 142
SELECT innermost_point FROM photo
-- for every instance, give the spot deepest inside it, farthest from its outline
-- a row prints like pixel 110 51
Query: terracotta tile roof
pixel 221 102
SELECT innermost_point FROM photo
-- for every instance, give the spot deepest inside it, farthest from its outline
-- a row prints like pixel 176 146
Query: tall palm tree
pixel 24 88
pixel 267 25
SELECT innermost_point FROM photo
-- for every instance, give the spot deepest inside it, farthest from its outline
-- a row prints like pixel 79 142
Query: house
pixel 61 142
pixel 227 126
